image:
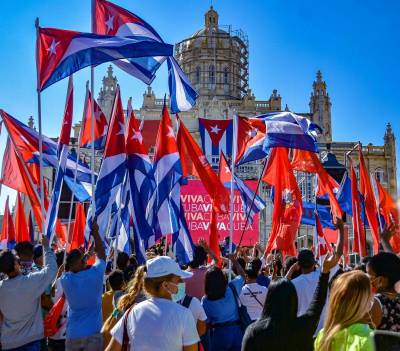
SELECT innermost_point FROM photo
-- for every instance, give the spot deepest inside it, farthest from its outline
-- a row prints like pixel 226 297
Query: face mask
pixel 180 293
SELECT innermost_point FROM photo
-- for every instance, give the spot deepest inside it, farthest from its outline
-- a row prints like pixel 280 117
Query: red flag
pixel 7 229
pixel 26 187
pixel 286 215
pixel 66 126
pixel 323 244
pixel 369 200
pixel 307 161
pixel 214 236
pixel 332 184
pixel 78 234
pixel 218 193
pixel 388 210
pixel 10 173
pixel 358 227
pixel 21 227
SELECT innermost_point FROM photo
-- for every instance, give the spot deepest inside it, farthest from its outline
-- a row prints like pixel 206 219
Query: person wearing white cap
pixel 158 323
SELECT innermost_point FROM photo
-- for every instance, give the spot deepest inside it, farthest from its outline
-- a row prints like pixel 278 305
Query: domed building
pixel 216 61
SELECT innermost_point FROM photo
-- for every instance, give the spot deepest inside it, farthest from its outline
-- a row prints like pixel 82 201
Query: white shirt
pixel 158 325
pixel 254 308
pixel 305 285
pixel 197 310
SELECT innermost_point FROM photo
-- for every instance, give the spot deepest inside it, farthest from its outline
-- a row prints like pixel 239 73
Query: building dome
pixel 215 58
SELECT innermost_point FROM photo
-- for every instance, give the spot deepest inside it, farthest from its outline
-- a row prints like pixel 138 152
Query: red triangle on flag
pixel 215 128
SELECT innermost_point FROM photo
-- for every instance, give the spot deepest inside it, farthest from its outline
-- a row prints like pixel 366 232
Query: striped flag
pixel 216 136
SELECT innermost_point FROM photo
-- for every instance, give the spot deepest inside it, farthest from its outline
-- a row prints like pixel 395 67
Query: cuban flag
pixel 216 137
pixel 141 185
pixel 62 154
pixel 100 125
pixel 250 141
pixel 113 167
pixel 182 243
pixel 163 215
pixel 246 194
pixel 110 19
pixel 63 52
pixel 121 220
pixel 27 141
pixel 289 130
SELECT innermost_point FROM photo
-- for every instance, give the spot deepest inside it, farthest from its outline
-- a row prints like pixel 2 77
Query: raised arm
pixel 340 241
pixel 386 234
pixel 39 281
pixel 98 242
pixel 202 242
pixel 237 266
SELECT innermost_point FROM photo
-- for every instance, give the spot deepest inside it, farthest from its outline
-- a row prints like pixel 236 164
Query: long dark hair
pixel 215 283
pixel 281 301
pixel 280 311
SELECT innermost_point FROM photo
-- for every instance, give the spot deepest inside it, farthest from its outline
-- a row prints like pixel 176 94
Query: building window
pixel 197 75
pixel 226 75
pixel 380 175
pixel 211 75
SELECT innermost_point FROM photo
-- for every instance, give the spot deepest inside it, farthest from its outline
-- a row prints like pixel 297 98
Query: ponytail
pixel 135 286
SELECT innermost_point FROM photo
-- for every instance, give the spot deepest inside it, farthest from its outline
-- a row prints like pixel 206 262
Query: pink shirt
pixel 195 284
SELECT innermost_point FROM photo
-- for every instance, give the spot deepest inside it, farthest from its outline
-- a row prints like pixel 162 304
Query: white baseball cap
pixel 161 266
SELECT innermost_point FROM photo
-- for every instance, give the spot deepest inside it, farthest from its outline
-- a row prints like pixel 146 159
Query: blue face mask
pixel 180 293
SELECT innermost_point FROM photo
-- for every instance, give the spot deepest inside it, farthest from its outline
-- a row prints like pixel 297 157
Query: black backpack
pixel 186 301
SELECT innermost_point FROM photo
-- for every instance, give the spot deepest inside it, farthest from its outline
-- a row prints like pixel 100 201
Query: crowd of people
pixel 245 300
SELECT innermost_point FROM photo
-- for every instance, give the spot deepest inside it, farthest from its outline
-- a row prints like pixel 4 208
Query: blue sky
pixel 355 44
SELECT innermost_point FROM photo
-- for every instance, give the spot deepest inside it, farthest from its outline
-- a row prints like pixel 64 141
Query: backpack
pixel 186 301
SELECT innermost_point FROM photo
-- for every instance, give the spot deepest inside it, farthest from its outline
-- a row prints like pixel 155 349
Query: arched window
pixel 380 175
pixel 226 75
pixel 197 75
pixel 211 74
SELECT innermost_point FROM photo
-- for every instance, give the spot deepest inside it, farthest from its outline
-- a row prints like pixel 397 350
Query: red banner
pixel 197 205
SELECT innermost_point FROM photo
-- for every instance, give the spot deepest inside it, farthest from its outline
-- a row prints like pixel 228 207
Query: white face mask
pixel 180 292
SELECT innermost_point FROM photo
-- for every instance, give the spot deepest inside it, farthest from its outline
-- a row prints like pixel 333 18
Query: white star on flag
pixel 122 130
pixel 170 133
pixel 137 136
pixel 52 48
pixel 215 129
pixel 109 23
pixel 227 170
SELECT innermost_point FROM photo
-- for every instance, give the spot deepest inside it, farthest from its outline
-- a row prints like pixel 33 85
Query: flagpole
pixel 76 167
pixel 92 116
pixel 376 194
pixel 232 190
pixel 39 101
pixel 253 199
pixel 315 236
